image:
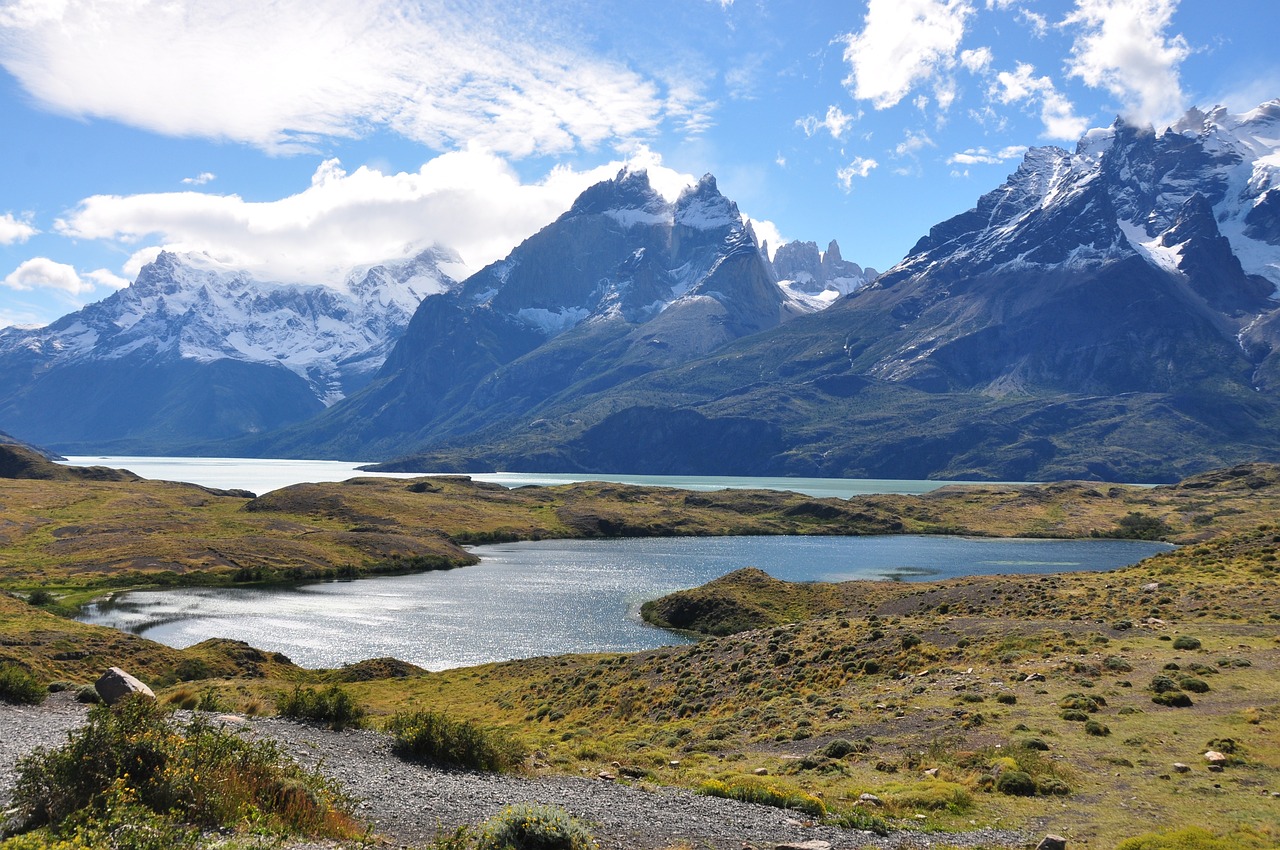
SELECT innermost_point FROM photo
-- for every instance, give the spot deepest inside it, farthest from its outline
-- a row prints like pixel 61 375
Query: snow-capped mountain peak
pixel 190 306
pixel 1128 189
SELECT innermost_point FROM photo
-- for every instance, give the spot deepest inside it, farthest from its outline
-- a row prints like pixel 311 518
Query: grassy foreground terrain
pixel 1019 701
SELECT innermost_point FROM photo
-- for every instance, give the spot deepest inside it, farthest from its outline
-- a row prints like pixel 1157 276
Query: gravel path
pixel 407 802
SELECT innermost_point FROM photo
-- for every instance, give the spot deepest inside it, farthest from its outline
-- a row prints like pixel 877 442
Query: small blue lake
pixel 554 597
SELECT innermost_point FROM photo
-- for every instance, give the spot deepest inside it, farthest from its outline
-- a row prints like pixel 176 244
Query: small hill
pixel 19 460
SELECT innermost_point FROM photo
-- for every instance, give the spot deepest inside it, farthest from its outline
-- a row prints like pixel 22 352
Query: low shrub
pixel 1093 727
pixel 525 826
pixel 131 762
pixel 1015 783
pixel 19 687
pixel 332 706
pixel 839 748
pixel 1196 686
pixel 1007 699
pixel 1186 642
pixel 1052 787
pixel 436 736
pixel 1172 699
pixel 861 819
pixel 765 794
pixel 41 597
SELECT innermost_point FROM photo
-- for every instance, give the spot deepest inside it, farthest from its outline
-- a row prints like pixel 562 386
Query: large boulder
pixel 115 685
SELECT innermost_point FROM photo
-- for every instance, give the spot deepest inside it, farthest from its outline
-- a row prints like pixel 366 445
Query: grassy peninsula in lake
pixel 1080 703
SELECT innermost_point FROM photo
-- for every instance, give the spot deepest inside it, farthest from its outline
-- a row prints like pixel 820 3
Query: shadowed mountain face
pixel 1106 313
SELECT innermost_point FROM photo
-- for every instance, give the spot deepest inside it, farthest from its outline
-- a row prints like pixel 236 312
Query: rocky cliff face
pixel 624 283
pixel 818 278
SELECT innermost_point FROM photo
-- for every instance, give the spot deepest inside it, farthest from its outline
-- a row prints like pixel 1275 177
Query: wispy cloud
pixel 859 167
pixel 904 43
pixel 283 75
pixel 982 156
pixel 14 229
pixel 913 141
pixel 200 179
pixel 1057 112
pixel 1122 46
pixel 836 122
pixel 471 201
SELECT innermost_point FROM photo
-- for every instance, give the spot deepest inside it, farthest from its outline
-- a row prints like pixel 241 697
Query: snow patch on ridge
pixel 552 323
pixel 1151 250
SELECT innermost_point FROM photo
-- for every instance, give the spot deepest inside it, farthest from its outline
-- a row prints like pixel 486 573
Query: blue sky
pixel 301 137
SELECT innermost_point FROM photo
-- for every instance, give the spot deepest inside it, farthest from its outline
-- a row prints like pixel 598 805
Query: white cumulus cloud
pixel 282 75
pixel 200 179
pixel 976 60
pixel 43 273
pixel 471 201
pixel 1056 110
pixel 903 43
pixel 1122 46
pixel 13 229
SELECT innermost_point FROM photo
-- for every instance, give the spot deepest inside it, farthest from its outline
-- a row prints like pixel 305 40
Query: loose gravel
pixel 409 803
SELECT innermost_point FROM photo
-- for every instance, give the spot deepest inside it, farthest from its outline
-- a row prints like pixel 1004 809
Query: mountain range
pixel 193 351
pixel 1106 313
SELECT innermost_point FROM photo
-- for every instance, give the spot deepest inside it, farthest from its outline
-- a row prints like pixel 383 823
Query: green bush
pixel 131 762
pixel 1015 783
pixel 436 736
pixel 1172 699
pixel 333 707
pixel 1196 686
pixel 1051 787
pixel 525 826
pixel 1186 642
pixel 839 748
pixel 19 687
pixel 1093 727
pixel 41 597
